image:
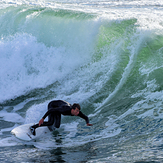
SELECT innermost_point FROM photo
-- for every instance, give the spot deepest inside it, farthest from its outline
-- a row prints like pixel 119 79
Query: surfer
pixel 55 109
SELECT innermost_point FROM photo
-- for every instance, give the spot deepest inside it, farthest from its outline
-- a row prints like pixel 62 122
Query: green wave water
pixel 110 63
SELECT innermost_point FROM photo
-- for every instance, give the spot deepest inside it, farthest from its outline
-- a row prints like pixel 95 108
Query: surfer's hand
pixel 88 124
pixel 41 122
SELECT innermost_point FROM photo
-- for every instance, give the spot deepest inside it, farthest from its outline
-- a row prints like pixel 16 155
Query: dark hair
pixel 74 106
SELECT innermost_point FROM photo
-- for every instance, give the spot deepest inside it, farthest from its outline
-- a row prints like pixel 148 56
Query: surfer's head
pixel 74 106
pixel 75 109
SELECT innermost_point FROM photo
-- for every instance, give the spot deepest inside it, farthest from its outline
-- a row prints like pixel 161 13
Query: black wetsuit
pixel 55 109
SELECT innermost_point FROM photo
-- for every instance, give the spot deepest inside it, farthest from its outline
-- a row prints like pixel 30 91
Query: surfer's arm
pixel 84 117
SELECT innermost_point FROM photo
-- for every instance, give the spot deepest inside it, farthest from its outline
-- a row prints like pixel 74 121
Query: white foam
pixel 11 117
pixel 27 64
pixel 21 65
pixel 9 141
pixel 35 113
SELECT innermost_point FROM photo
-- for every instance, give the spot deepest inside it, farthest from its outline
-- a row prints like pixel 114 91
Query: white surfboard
pixel 23 132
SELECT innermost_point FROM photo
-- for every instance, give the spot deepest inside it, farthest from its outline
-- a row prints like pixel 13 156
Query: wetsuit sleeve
pixel 83 116
pixel 54 111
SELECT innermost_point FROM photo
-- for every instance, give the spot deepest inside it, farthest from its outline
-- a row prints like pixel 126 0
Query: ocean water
pixel 105 55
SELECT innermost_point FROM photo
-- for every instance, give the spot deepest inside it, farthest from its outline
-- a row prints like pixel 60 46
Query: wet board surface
pixel 23 132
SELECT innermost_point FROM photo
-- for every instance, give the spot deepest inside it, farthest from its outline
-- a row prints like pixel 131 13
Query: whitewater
pixel 105 55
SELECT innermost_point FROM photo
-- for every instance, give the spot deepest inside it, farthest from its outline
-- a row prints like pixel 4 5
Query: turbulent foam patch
pixel 11 117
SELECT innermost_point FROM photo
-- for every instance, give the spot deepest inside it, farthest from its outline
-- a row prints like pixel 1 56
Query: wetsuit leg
pixel 45 123
pixel 57 120
pixel 51 119
pixel 54 121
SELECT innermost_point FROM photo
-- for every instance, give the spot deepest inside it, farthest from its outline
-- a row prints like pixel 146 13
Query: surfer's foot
pixel 32 130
